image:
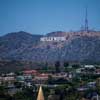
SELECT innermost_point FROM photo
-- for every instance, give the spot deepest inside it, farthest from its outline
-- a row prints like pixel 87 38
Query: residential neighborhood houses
pixel 85 78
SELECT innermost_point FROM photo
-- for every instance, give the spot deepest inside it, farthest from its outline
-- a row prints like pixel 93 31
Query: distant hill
pixel 79 47
pixel 15 43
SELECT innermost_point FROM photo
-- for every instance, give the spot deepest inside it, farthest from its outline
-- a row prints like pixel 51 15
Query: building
pixel 89 66
pixel 41 78
pixel 8 79
pixel 30 72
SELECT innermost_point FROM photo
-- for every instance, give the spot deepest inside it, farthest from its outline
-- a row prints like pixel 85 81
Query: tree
pixel 50 79
pixel 2 90
pixel 4 94
pixel 66 64
pixel 57 66
pixel 18 84
pixel 75 66
pixel 20 96
pixel 25 94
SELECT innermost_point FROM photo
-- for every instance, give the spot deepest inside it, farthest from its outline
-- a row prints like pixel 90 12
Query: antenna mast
pixel 86 20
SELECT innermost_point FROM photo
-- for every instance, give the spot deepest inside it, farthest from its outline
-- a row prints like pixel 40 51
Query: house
pixel 89 66
pixel 8 79
pixel 92 96
pixel 20 78
pixel 10 74
pixel 91 84
pixel 30 72
pixel 41 78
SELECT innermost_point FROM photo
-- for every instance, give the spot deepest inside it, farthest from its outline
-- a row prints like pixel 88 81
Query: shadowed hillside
pixel 79 47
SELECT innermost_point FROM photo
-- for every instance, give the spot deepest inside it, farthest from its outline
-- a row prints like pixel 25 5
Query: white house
pixel 89 66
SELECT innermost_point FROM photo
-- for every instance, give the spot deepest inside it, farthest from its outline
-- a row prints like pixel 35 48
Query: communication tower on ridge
pixel 86 20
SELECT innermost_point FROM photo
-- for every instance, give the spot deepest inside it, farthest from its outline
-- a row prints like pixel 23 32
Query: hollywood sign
pixel 53 39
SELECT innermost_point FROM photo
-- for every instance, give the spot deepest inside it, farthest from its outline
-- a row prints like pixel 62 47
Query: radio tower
pixel 86 20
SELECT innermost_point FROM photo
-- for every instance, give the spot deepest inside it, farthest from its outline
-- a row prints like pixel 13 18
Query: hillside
pixel 79 47
pixel 13 43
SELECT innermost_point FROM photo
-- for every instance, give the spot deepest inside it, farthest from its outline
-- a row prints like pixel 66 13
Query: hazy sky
pixel 43 16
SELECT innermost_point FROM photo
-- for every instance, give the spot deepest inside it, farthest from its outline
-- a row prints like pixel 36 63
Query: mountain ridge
pixel 79 47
